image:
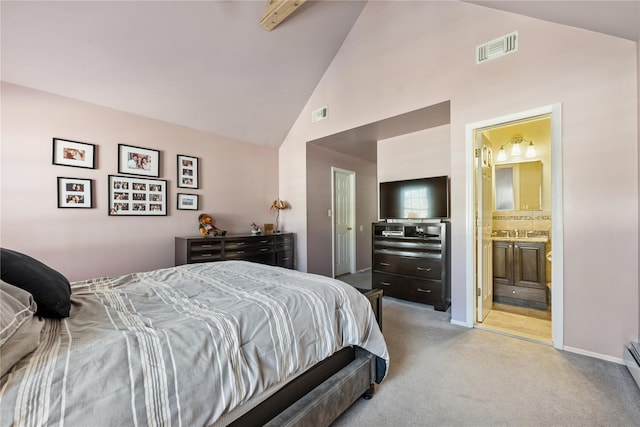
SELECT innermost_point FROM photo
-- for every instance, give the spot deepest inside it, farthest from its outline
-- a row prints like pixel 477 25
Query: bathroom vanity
pixel 519 272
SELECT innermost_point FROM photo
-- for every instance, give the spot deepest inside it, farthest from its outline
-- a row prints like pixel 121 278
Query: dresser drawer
pixel 521 292
pixel 283 246
pixel 248 252
pixel 247 244
pixel 424 268
pixel 418 290
pixel 205 250
pixel 284 259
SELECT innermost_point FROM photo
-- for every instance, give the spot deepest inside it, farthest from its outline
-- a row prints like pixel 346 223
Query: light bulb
pixel 515 150
pixel 531 151
pixel 502 155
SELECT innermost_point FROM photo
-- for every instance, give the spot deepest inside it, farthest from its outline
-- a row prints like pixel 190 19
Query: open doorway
pixel 515 206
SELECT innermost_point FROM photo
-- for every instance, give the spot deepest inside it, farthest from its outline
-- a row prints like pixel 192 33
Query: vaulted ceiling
pixel 208 65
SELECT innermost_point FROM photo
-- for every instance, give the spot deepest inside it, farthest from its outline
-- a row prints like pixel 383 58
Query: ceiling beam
pixel 277 11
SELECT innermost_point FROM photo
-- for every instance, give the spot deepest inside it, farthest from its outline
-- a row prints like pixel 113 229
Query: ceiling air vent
pixel 497 48
pixel 319 114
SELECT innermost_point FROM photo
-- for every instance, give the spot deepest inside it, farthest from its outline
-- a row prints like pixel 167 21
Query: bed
pixel 210 344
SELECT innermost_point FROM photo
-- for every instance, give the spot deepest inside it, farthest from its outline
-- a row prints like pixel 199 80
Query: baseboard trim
pixel 461 323
pixel 617 360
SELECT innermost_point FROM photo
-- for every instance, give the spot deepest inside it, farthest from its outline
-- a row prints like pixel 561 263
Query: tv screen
pixel 423 198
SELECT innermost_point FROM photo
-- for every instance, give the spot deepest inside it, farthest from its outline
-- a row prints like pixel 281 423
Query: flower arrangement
pixel 278 204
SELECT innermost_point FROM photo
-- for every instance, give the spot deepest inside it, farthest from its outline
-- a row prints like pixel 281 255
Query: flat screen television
pixel 422 198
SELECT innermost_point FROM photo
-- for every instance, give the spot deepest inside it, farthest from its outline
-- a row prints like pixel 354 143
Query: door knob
pixel 349 228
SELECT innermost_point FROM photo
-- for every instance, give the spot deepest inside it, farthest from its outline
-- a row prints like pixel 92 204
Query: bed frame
pixel 320 395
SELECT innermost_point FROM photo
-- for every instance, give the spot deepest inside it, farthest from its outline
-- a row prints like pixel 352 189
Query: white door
pixel 484 248
pixel 343 221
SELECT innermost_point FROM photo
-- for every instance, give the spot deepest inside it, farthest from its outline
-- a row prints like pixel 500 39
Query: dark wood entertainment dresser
pixel 411 261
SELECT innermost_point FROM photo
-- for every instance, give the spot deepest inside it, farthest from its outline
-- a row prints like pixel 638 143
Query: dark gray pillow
pixel 50 289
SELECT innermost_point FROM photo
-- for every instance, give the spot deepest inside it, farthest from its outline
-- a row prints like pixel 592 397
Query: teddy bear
pixel 207 228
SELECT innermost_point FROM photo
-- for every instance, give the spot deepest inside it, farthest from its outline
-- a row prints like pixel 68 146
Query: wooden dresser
pixel 271 249
pixel 411 261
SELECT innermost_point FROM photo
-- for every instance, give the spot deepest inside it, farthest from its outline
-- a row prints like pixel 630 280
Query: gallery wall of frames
pixel 137 190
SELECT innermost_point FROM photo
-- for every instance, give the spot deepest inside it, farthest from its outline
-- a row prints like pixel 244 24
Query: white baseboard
pixel 460 323
pixel 618 360
pixel 363 270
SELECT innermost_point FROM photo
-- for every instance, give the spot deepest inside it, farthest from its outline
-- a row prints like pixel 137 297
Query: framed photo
pixel 188 201
pixel 74 153
pixel 138 161
pixel 187 171
pixel 137 196
pixel 75 193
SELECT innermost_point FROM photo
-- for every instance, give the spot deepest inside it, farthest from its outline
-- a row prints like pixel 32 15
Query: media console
pixel 412 261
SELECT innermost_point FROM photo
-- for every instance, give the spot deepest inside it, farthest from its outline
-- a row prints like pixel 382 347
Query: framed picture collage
pixel 136 191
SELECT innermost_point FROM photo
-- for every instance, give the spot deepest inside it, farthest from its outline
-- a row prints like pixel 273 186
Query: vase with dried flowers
pixel 278 205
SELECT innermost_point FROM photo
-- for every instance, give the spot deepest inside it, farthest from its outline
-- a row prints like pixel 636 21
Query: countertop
pixel 538 239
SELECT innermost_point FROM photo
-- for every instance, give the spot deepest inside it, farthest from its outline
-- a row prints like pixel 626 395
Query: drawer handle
pixel 264 249
pixel 264 241
pixel 424 269
pixel 206 255
pixel 241 243
pixel 206 246
pixel 240 252
pixel 286 259
pixel 427 291
pixel 513 292
pixel 385 283
pixel 386 264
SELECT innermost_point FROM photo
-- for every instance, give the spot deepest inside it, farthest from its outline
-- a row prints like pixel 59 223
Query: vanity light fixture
pixel 502 155
pixel 516 151
pixel 531 151
pixel 515 145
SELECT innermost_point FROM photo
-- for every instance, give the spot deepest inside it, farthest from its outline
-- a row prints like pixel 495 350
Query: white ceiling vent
pixel 497 48
pixel 319 114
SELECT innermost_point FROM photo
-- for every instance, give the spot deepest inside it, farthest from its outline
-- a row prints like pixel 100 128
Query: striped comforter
pixel 182 346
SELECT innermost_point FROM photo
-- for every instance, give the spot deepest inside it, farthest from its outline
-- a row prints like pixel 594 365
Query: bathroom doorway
pixel 515 201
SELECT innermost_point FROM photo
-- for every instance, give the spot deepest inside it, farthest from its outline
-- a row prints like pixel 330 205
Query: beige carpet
pixel 447 375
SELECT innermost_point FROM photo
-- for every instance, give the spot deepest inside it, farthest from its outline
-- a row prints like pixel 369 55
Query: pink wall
pixel 421 154
pixel 238 183
pixel 395 61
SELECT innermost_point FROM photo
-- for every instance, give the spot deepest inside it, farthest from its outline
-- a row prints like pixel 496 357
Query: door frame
pixel 557 265
pixel 352 216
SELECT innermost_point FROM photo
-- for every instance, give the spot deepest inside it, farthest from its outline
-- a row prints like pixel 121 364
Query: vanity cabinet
pixel 411 261
pixel 519 273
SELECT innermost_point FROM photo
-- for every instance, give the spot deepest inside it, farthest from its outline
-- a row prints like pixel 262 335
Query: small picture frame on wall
pixel 74 153
pixel 188 202
pixel 138 161
pixel 75 192
pixel 137 196
pixel 187 171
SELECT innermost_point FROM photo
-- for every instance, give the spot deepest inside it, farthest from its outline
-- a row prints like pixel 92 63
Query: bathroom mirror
pixel 518 186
